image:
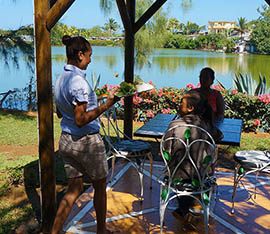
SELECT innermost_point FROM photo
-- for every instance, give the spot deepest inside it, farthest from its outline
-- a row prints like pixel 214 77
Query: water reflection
pixel 172 61
pixel 172 64
pixel 224 64
pixel 110 61
pixel 59 58
pixel 169 67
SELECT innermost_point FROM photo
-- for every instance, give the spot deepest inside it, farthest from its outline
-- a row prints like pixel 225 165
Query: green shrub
pixel 15 175
pixel 253 110
pixel 210 42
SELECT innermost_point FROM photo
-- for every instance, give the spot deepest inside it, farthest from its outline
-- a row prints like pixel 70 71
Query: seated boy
pixel 193 110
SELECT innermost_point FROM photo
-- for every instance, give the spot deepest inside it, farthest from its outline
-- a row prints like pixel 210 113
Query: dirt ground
pixel 19 150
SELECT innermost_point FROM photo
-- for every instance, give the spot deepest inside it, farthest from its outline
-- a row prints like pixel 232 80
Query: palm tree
pixel 242 24
pixel 173 25
pixel 111 26
pixel 191 28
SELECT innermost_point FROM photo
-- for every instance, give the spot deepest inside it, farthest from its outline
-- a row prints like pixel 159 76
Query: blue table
pixel 231 129
pixel 156 127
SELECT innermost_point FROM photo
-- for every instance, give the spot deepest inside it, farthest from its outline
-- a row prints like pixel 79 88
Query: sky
pixel 87 13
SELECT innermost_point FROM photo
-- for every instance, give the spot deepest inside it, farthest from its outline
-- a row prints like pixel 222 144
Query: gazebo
pixel 46 15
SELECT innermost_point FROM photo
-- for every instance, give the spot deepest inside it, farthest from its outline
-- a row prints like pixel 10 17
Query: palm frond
pixel 95 81
pixel 245 84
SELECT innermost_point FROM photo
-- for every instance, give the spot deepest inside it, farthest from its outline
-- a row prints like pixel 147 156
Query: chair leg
pixel 150 157
pixel 235 183
pixel 112 169
pixel 255 187
pixel 141 184
pixel 163 202
pixel 206 218
pixel 162 208
pixel 140 174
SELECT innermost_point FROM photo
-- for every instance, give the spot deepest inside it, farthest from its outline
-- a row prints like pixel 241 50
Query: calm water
pixel 167 67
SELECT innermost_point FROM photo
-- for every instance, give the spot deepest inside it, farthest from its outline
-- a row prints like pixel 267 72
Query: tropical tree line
pixel 158 32
pixel 202 42
pixel 109 29
pixel 164 32
pixel 261 31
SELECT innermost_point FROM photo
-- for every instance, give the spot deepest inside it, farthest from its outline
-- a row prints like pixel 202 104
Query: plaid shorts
pixel 84 156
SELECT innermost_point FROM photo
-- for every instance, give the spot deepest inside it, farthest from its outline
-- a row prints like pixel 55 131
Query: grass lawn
pixel 19 146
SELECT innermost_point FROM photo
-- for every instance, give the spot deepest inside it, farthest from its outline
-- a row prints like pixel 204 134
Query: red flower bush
pixel 256 122
pixel 265 98
pixel 253 110
pixel 190 86
pixel 234 91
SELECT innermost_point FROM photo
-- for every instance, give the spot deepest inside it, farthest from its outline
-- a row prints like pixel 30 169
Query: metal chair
pixel 121 146
pixel 248 162
pixel 189 153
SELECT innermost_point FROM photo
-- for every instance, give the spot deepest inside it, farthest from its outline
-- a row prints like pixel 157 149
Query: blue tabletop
pixel 156 127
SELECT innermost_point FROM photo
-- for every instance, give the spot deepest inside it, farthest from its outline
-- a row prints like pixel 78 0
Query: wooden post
pixel 127 11
pixel 45 114
pixel 47 13
pixel 129 68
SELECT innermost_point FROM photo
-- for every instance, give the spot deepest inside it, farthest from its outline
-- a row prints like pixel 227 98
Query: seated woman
pixel 214 97
pixel 194 109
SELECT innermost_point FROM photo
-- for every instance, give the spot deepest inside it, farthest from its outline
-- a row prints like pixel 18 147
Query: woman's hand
pixel 111 100
pixel 83 117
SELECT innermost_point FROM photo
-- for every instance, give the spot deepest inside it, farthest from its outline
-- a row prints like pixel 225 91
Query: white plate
pixel 144 87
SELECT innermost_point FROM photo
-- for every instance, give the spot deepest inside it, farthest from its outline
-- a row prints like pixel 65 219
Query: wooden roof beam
pixel 58 9
pixel 268 1
pixel 124 15
pixel 148 14
pixel 52 2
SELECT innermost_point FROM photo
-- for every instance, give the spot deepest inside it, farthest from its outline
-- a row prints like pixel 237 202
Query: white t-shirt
pixel 70 88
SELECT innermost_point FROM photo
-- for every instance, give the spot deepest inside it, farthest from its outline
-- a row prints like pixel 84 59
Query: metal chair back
pixel 189 153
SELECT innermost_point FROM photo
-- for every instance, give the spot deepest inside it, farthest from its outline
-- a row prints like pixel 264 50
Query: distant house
pixel 221 26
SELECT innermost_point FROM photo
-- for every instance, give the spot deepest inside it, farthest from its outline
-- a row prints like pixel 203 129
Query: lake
pixel 166 67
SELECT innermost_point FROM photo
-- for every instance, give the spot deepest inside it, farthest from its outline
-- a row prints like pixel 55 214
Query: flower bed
pixel 253 110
